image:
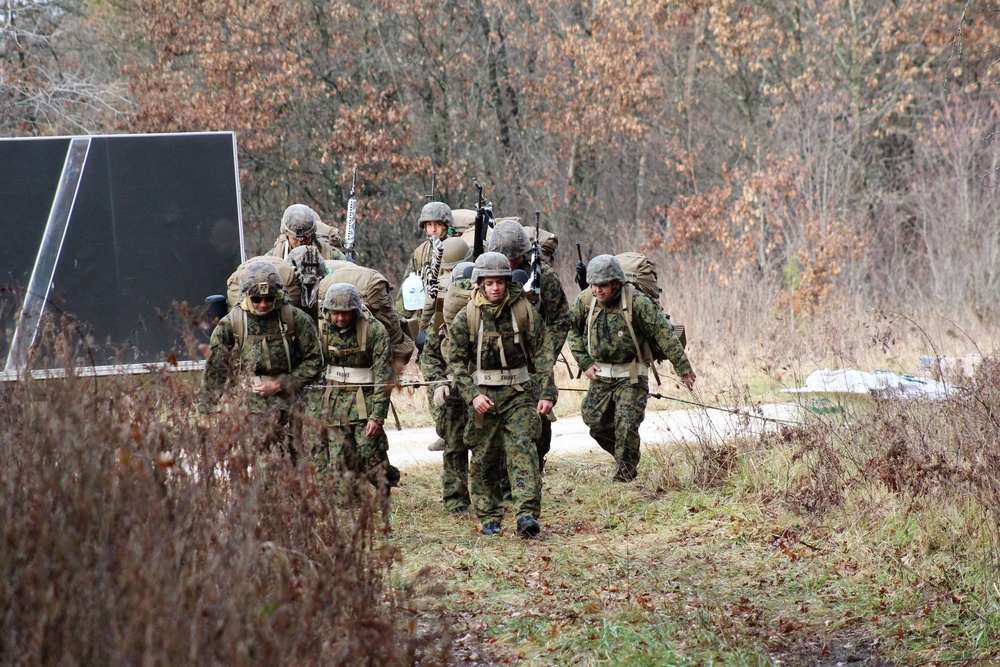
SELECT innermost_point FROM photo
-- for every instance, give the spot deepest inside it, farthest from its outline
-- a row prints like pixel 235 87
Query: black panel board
pixel 156 222
pixel 29 176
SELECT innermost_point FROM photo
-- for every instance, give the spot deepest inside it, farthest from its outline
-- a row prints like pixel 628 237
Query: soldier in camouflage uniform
pixel 353 406
pixel 437 220
pixel 511 240
pixel 270 345
pixel 448 408
pixel 299 225
pixel 604 347
pixel 501 359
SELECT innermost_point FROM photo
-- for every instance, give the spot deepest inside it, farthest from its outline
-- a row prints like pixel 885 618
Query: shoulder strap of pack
pixel 363 326
pixel 628 306
pixel 472 316
pixel 524 320
pixel 238 320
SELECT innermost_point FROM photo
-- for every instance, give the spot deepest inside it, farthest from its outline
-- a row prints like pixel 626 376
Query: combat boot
pixel 491 528
pixel 527 527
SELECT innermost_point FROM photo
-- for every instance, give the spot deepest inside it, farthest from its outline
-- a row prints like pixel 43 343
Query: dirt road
pixel 408 447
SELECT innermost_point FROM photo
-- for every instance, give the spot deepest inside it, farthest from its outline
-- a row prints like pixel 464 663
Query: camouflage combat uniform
pixel 554 308
pixel 263 354
pixel 344 413
pixel 615 407
pixel 509 430
pixel 450 420
pixel 434 211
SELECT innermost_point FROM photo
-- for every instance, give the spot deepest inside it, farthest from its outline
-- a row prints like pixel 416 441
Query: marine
pixel 612 323
pixel 450 412
pixel 501 359
pixel 354 403
pixel 548 298
pixel 300 226
pixel 267 346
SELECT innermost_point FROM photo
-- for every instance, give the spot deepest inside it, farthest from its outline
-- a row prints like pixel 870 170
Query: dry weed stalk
pixel 134 532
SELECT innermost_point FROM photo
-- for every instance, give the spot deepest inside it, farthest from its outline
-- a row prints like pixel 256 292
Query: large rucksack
pixel 641 272
pixel 289 276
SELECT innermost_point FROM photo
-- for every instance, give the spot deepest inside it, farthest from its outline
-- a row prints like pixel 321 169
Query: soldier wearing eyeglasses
pixel 268 347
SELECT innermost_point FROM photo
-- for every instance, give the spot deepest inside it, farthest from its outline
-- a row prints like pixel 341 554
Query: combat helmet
pixel 261 279
pixel 491 265
pixel 436 211
pixel 604 269
pixel 311 268
pixel 456 250
pixel 343 297
pixel 299 221
pixel 463 271
pixel 509 239
pixel 308 262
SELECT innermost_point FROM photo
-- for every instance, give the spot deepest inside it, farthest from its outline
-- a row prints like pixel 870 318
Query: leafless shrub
pixel 136 533
pixel 926 454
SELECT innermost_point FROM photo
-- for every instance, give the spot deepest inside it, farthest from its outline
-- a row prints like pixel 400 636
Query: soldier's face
pixel 494 288
pixel 262 305
pixel 515 262
pixel 438 229
pixel 295 241
pixel 603 292
pixel 341 318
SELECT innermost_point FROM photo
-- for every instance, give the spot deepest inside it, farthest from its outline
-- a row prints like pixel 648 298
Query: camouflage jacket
pixel 611 341
pixel 340 348
pixel 226 362
pixel 463 347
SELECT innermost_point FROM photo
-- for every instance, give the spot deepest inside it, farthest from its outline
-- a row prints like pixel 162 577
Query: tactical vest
pixel 286 326
pixel 523 322
pixel 342 375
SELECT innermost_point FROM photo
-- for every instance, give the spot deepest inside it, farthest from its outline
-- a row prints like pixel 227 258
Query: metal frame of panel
pixel 39 288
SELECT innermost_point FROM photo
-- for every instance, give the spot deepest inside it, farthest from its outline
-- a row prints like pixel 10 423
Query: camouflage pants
pixel 614 409
pixel 508 433
pixel 542 445
pixel 348 449
pixel 450 421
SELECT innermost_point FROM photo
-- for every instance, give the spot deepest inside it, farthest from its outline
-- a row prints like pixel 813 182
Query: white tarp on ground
pixel 881 383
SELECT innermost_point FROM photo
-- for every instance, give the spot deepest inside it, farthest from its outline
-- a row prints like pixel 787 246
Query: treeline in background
pixel 781 159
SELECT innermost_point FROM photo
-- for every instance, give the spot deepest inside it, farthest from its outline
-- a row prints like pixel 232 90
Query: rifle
pixel 534 285
pixel 535 265
pixel 434 268
pixel 352 212
pixel 484 221
pixel 430 197
pixel 581 269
